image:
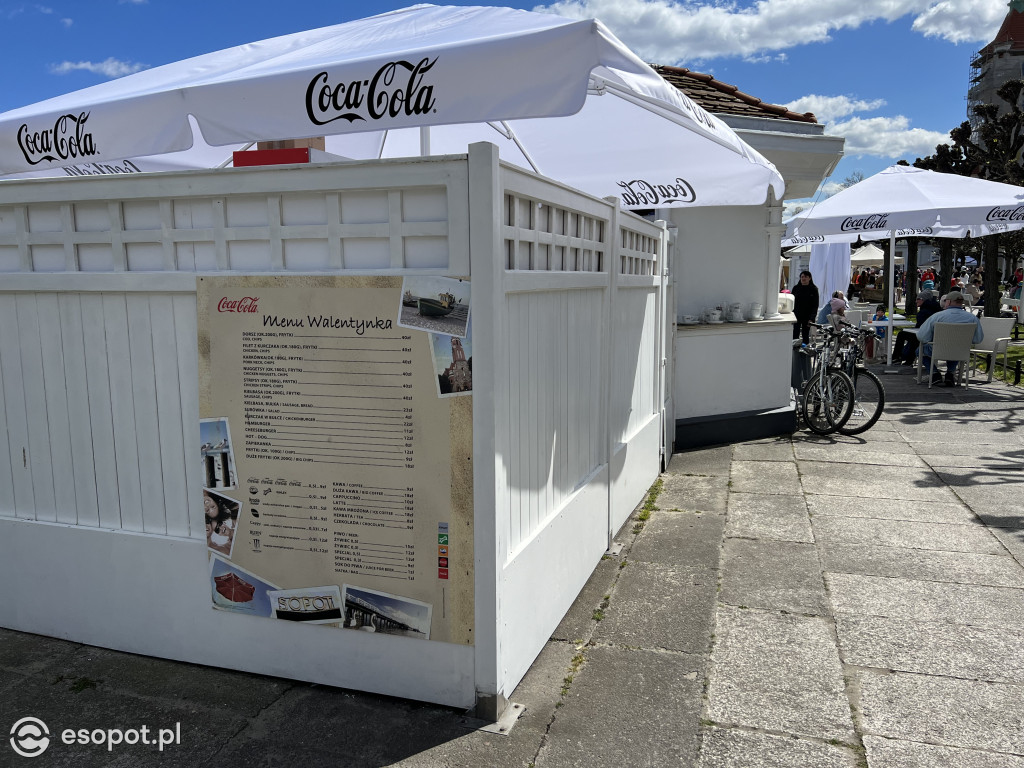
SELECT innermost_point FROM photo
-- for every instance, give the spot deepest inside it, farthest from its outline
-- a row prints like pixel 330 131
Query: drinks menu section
pixel 343 453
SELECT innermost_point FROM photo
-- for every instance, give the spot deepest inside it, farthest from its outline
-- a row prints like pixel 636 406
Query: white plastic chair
pixel 997 337
pixel 950 341
pixel 855 317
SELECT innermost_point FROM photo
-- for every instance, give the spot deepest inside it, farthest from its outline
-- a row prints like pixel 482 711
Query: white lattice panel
pixel 240 220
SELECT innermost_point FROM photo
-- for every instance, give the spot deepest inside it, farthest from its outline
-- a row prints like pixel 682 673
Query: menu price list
pixel 337 400
pixel 368 529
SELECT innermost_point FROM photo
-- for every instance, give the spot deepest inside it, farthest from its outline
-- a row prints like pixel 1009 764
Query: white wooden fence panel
pixel 637 364
pixel 77 384
pixel 566 417
pixel 101 409
pixel 168 405
pixel 7 505
pixel 57 416
pixel 147 422
pixel 548 462
pixel 35 408
pixel 17 414
pixel 126 450
pixel 186 332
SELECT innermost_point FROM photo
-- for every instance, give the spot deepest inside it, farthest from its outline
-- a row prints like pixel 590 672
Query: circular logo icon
pixel 30 737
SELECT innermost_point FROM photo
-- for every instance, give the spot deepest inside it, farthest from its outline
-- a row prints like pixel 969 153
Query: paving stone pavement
pixel 795 602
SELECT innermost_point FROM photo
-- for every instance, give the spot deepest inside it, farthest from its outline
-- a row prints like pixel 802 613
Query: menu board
pixel 337 460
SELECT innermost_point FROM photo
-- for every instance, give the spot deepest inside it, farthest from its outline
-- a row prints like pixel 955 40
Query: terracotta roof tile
pixel 722 98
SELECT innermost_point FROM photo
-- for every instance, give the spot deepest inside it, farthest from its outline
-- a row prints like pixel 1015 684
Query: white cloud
pixel 890 137
pixel 828 108
pixel 110 68
pixel 666 31
pixel 67 22
pixel 961 21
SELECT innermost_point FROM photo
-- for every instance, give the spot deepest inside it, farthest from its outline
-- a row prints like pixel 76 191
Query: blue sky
pixel 889 75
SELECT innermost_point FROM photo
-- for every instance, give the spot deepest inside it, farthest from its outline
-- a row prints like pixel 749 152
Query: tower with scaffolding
pixel 999 61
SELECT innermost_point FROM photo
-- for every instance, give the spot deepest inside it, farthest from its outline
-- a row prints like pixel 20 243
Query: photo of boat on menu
pixel 435 304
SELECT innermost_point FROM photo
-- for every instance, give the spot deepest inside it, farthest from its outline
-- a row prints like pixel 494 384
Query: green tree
pixel 993 151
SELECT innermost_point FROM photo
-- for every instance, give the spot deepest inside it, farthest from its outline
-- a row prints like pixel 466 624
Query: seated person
pixel 973 289
pixel 828 309
pixel 880 314
pixel 955 313
pixel 906 343
pixel 880 331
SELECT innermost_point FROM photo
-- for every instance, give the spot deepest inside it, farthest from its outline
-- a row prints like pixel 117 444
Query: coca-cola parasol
pixel 906 198
pixel 903 201
pixel 232 587
pixel 560 96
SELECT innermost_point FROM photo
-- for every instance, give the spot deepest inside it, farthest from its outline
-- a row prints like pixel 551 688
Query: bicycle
pixel 868 393
pixel 827 395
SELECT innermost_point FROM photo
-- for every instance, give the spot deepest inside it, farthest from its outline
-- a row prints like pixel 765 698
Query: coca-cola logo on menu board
pixel 66 140
pixel 640 192
pixel 396 88
pixel 245 304
pixel 864 223
pixel 1006 214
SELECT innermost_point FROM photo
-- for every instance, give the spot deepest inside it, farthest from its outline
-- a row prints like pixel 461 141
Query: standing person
pixel 805 305
pixel 954 313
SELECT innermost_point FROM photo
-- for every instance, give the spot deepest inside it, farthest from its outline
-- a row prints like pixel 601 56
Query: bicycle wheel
pixel 868 403
pixel 828 403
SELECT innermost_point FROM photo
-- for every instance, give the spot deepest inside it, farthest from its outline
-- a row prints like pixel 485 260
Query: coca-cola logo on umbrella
pixel 640 192
pixel 65 140
pixel 865 223
pixel 397 88
pixel 245 304
pixel 798 239
pixel 1006 214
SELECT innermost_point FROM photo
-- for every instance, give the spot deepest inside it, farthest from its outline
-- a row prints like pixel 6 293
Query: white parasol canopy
pixel 563 97
pixel 903 201
pixel 903 197
pixel 870 255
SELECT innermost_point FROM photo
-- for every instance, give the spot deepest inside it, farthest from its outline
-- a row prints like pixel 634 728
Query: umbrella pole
pixel 890 278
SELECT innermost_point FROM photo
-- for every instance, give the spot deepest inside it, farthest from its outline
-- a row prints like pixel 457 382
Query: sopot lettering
pixel 640 192
pixel 310 604
pixel 874 221
pixel 396 88
pixel 1006 214
pixel 246 304
pixel 67 140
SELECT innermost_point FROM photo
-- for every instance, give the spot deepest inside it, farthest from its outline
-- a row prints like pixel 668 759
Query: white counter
pixel 733 368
